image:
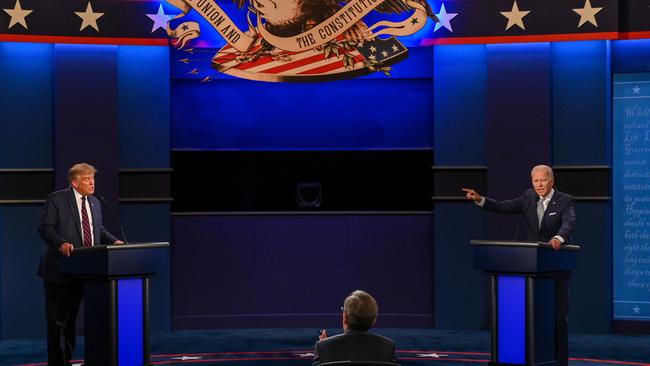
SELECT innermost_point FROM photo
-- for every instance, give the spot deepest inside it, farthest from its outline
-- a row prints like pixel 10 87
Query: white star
pixel 89 18
pixel 372 57
pixel 637 309
pixel 373 49
pixel 160 19
pixel 17 15
pixel 587 14
pixel 444 19
pixel 430 355
pixel 395 48
pixel 308 354
pixel 384 53
pixel 636 90
pixel 185 358
pixel 515 16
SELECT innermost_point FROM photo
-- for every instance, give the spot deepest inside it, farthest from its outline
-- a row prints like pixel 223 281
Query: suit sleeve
pixel 47 226
pixel 513 206
pixel 316 360
pixel 568 221
pixel 107 237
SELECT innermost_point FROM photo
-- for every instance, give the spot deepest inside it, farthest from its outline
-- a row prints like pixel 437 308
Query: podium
pixel 523 280
pixel 116 299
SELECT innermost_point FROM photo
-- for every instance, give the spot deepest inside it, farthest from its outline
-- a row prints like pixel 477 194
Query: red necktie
pixel 85 223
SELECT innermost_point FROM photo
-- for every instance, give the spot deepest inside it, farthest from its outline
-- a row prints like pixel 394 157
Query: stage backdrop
pixel 632 196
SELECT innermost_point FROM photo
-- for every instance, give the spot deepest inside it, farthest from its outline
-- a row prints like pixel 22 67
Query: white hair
pixel 545 168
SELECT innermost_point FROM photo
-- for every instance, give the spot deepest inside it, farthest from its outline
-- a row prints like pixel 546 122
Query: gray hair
pixel 545 168
pixel 361 310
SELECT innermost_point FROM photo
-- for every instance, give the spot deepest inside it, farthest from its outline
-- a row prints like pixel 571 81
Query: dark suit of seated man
pixel 355 344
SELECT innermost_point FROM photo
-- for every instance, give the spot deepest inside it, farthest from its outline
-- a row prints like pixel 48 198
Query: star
pixel 637 309
pixel 587 14
pixel 430 355
pixel 384 53
pixel 395 49
pixel 185 358
pixel 17 15
pixel 515 16
pixel 444 19
pixel 372 57
pixel 414 21
pixel 89 18
pixel 185 27
pixel 373 49
pixel 308 354
pixel 636 90
pixel 160 19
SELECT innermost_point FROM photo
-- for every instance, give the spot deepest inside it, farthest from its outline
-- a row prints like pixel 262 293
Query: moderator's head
pixel 361 310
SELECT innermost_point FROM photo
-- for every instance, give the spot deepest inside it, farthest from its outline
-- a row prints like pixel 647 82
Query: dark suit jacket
pixel 559 217
pixel 60 223
pixel 354 346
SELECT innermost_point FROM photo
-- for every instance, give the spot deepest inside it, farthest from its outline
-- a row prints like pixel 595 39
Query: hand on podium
pixel 555 243
pixel 118 242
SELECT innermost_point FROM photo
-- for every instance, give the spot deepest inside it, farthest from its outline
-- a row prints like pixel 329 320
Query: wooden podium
pixel 116 300
pixel 523 278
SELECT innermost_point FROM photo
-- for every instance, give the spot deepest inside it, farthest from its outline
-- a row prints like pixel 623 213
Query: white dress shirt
pixel 78 196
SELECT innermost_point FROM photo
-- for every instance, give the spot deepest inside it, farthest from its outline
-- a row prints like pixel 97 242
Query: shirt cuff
pixel 481 202
pixel 561 239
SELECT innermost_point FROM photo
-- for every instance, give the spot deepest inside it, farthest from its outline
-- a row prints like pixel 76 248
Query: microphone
pixel 103 200
pixel 523 214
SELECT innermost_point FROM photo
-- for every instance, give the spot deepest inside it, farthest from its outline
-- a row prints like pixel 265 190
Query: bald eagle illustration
pixel 286 18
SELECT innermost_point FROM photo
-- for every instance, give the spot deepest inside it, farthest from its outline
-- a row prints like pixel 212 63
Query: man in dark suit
pixel 355 344
pixel 71 218
pixel 550 218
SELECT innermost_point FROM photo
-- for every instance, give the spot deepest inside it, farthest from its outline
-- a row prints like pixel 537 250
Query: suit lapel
pixel 72 203
pixel 532 216
pixel 551 207
pixel 94 211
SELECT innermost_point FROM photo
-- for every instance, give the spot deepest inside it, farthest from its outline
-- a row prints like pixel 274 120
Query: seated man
pixel 355 344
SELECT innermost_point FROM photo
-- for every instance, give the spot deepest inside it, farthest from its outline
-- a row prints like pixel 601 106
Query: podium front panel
pixel 130 321
pixel 511 320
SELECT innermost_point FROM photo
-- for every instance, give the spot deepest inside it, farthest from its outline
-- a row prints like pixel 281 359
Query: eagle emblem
pixel 305 41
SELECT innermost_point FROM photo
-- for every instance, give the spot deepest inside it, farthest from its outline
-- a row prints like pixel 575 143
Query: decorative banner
pixel 297 40
pixel 631 196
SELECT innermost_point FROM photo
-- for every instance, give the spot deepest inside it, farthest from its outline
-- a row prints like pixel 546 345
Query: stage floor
pixel 295 346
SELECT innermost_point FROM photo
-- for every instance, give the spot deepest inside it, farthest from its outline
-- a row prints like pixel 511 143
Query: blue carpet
pixel 289 347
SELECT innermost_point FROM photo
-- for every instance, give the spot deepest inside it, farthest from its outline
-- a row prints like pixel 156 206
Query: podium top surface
pixel 128 246
pixel 107 261
pixel 524 244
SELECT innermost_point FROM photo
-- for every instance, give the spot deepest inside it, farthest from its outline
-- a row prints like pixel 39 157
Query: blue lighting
pixel 518 47
pixel 26 105
pixel 511 315
pixel 130 318
pixel 631 56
